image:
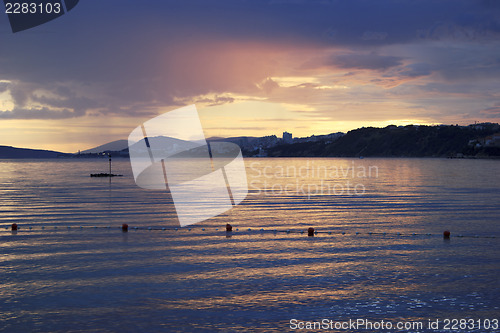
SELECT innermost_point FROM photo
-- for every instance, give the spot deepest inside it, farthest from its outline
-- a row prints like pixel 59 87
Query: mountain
pixel 13 152
pixel 117 145
pixel 390 141
pixel 159 145
pixel 163 141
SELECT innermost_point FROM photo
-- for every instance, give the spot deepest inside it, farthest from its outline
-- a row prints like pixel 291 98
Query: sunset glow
pixel 252 69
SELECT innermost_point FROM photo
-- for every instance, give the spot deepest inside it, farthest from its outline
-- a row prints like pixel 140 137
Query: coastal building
pixel 287 137
pixel 492 140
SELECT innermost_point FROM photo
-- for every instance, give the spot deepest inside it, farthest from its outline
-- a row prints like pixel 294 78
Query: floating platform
pixel 104 175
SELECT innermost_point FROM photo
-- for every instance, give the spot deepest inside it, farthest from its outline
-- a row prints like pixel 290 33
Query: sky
pixel 251 67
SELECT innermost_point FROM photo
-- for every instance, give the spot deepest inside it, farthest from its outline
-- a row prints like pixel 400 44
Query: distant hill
pixel 239 140
pixel 117 145
pixel 12 152
pixel 161 141
pixel 164 142
pixel 394 141
pixel 390 141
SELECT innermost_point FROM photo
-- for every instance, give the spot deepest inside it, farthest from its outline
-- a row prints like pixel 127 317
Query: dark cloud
pixel 78 105
pixel 493 112
pixel 474 21
pixel 4 86
pixel 112 57
pixel 217 100
pixel 410 71
pixel 471 63
pixel 446 31
pixel 416 70
pixel 20 93
pixel 269 85
pixel 37 113
pixel 48 102
pixel 93 45
pixel 365 61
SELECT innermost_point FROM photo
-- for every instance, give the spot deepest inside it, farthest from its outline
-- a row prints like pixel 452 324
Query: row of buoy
pixel 311 232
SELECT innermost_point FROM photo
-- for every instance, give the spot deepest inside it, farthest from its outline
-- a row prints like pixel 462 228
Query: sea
pixel 377 260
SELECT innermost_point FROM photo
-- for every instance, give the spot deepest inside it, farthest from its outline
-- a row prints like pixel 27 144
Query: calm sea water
pixel 378 255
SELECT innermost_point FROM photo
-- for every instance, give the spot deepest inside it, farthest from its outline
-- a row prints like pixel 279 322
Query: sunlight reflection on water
pixel 88 279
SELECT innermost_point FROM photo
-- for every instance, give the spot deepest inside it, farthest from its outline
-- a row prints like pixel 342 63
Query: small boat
pixel 105 174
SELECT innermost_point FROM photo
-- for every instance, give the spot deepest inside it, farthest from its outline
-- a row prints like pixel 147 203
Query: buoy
pixel 124 227
pixel 446 234
pixel 343 232
pixel 163 229
pixel 149 228
pixel 202 229
pixel 14 227
pixel 310 232
pixel 229 227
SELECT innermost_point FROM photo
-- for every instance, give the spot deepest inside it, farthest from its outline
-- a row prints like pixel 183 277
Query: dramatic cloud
pixel 416 70
pixel 314 61
pixel 366 61
pixel 33 113
pixel 32 101
pixel 493 112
